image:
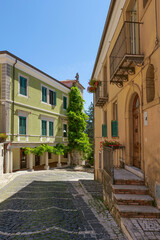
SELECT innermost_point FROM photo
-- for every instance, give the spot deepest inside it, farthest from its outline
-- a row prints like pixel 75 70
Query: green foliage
pixel 90 123
pixel 77 138
pixel 90 131
pixel 59 149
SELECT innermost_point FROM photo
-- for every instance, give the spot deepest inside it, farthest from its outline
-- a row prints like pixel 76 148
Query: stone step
pixel 130 189
pixel 133 199
pixel 128 182
pixel 124 177
pixel 130 211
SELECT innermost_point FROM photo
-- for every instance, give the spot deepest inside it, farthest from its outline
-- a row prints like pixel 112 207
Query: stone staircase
pixel 131 196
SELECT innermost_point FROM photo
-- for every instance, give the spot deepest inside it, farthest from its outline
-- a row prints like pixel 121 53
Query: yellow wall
pixel 150 140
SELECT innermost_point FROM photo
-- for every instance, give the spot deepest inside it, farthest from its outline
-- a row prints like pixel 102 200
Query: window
pixel 23 86
pixel 49 155
pixel 44 128
pixel 64 102
pixel 104 126
pixel 150 84
pixel 51 129
pixel 51 99
pixel 114 123
pixel 22 125
pixel 144 3
pixel 65 155
pixel 64 130
pixel 44 94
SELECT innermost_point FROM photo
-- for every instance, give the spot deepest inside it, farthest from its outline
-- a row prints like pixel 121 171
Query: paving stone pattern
pixel 143 228
pixel 51 205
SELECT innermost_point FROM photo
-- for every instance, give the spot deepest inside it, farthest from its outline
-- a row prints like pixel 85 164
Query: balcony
pixel 101 96
pixel 126 53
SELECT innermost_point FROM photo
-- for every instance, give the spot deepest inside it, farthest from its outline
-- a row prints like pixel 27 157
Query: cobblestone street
pixel 53 205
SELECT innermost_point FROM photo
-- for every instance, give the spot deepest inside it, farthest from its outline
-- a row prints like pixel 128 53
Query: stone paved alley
pixel 53 205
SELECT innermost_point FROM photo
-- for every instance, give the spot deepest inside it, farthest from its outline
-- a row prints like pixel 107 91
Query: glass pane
pixel 23 86
pixel 22 125
pixel 50 97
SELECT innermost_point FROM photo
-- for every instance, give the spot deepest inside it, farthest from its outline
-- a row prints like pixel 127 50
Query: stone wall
pixel 1 158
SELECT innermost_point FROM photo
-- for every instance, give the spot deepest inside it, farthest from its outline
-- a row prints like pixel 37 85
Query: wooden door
pixel 136 133
pixel 23 159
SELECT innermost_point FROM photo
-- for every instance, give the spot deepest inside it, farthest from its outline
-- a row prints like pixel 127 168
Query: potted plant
pixel 3 137
pixel 93 85
pixel 111 144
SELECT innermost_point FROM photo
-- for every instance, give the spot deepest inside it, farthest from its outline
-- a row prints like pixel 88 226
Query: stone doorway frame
pixel 132 92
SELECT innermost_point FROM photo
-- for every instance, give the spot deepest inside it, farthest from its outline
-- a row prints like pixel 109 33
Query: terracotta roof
pixel 19 59
pixel 69 83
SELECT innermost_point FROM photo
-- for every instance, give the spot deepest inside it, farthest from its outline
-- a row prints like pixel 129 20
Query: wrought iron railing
pixel 112 158
pixel 101 95
pixel 127 43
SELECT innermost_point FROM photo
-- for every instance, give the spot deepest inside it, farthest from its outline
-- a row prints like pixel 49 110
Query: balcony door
pixel 136 133
pixel 133 30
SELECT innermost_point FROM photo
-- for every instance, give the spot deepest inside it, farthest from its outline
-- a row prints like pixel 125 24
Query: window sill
pixel 21 95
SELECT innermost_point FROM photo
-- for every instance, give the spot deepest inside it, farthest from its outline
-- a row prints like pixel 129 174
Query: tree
pixel 77 138
pixel 90 131
pixel 90 124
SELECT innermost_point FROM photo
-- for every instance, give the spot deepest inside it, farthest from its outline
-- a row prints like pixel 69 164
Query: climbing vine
pixel 77 138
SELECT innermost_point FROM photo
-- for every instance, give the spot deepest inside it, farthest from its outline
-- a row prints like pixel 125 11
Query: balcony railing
pixel 101 96
pixel 126 53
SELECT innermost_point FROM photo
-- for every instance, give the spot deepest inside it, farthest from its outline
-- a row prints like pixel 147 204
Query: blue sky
pixel 60 37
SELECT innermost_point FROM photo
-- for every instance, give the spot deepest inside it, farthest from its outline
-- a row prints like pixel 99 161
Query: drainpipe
pixel 157 40
pixel 12 117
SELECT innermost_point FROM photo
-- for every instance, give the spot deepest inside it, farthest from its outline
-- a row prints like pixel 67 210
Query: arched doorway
pixel 136 132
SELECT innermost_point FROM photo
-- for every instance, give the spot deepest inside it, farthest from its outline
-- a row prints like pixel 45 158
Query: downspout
pixel 157 40
pixel 12 117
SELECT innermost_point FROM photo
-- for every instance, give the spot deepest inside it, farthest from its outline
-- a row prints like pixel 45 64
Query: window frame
pixel 27 86
pixel 48 95
pixel 23 114
pixel 47 119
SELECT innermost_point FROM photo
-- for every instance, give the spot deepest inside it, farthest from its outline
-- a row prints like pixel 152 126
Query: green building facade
pixel 32 112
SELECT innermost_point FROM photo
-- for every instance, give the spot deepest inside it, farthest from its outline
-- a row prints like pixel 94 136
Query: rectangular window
pixel 23 86
pixel 115 111
pixel 22 125
pixel 51 97
pixel 44 94
pixel 144 3
pixel 44 128
pixel 64 130
pixel 49 155
pixel 51 129
pixel 64 102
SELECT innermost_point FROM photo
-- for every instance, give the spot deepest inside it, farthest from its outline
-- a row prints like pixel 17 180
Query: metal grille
pixel 108 160
pixel 101 93
pixel 127 43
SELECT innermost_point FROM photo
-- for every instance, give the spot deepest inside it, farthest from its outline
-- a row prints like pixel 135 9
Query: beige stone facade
pixel 127 65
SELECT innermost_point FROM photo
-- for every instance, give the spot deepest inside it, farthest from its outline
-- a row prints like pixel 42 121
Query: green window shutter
pixel 23 86
pixel 64 130
pixel 50 129
pixel 44 128
pixel 22 125
pixel 55 98
pixel 114 127
pixel 44 94
pixel 64 102
pixel 104 130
